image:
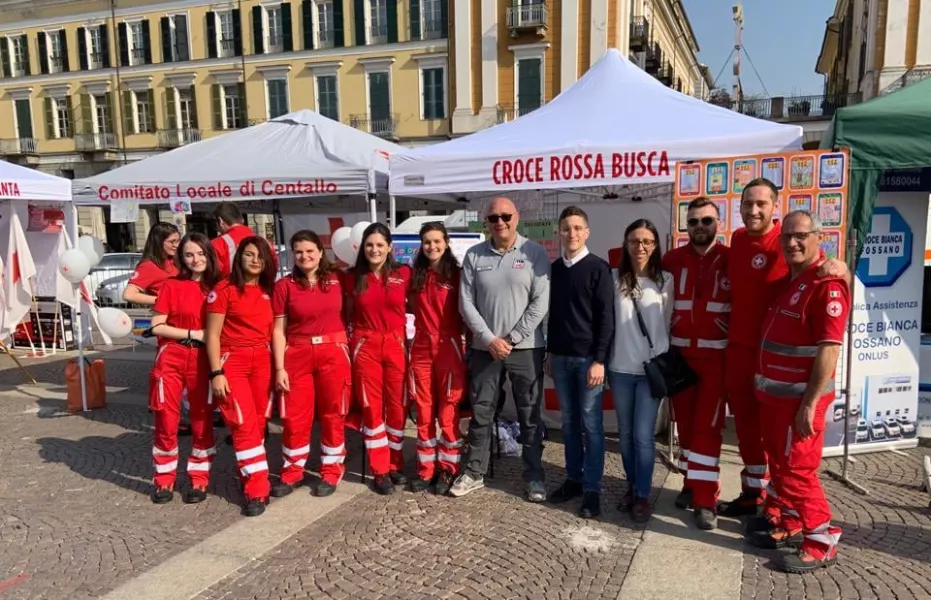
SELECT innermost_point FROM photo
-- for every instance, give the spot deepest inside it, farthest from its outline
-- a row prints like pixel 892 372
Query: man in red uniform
pixel 801 342
pixel 232 232
pixel 699 329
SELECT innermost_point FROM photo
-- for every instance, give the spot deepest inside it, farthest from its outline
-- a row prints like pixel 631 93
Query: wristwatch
pixel 217 373
pixel 510 341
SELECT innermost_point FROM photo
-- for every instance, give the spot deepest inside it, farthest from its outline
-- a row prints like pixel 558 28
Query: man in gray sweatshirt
pixel 504 298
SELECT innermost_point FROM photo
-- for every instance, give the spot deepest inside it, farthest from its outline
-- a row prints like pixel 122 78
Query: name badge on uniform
pixel 480 269
pixel 518 263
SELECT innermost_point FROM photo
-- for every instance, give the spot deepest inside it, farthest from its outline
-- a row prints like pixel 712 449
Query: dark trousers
pixel 524 369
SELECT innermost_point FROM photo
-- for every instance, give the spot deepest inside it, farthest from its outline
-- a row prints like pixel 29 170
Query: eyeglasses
pixel 706 221
pixel 506 217
pixel 645 243
pixel 798 236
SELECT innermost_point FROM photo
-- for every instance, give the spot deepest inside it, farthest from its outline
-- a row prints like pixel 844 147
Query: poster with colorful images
pixel 812 180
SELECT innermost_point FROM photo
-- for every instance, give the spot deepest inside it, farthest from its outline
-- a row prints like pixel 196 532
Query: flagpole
pixel 77 313
pixel 35 307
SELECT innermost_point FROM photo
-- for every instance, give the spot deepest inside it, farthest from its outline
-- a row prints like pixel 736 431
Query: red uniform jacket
pixel 754 265
pixel 226 245
pixel 702 308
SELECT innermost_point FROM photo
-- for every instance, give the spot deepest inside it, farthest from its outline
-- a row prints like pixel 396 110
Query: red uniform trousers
pixel 437 382
pixel 795 489
pixel 178 368
pixel 740 367
pixel 379 362
pixel 320 377
pixel 245 409
pixel 699 415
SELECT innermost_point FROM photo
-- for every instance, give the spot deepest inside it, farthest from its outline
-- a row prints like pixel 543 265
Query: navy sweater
pixel 581 318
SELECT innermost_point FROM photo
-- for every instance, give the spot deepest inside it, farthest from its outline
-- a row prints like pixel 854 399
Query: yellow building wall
pixel 680 61
pixel 506 61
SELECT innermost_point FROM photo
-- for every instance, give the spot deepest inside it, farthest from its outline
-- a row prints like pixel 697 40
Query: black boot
pixel 591 505
pixel 383 485
pixel 705 519
pixel 745 505
pixel 282 489
pixel 567 491
pixel 684 500
pixel 162 496
pixel 419 485
pixel 255 507
pixel 444 481
pixel 195 496
pixel 324 489
pixel 398 478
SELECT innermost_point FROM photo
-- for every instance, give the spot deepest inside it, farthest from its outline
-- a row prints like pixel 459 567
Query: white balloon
pixel 92 249
pixel 342 245
pixel 73 265
pixel 114 322
pixel 356 234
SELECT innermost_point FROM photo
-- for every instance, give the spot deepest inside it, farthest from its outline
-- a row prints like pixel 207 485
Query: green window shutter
pixel 243 115
pixel 358 15
pixel 123 35
pixel 307 23
pixel 444 18
pixel 82 48
pixel 43 53
pixel 392 14
pixel 49 120
pixel 194 122
pixel 339 32
pixel 152 109
pixel 181 51
pixel 217 106
pixel 6 70
pixel 24 118
pixel 212 35
pixel 147 41
pixel 63 39
pixel 379 101
pixel 415 20
pixel 128 122
pixel 168 54
pixel 433 94
pixel 287 33
pixel 258 41
pixel 27 67
pixel 237 32
pixel 171 109
pixel 528 85
pixel 105 46
pixel 72 114
pixel 87 114
pixel 112 103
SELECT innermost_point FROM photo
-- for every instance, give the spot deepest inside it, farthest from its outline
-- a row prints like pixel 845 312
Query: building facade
pixel 875 46
pixel 510 57
pixel 89 85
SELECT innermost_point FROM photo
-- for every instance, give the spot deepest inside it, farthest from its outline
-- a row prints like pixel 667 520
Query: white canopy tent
pixel 298 155
pixel 616 125
pixel 23 183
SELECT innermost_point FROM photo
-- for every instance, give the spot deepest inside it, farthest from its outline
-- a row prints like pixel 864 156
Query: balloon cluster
pixel 346 242
pixel 75 264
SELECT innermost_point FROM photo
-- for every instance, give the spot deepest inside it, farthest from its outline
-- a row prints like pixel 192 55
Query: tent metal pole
pixel 77 315
pixel 392 212
pixel 844 476
pixel 373 208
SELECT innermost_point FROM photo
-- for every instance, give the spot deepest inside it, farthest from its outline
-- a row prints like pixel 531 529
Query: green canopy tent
pixel 886 132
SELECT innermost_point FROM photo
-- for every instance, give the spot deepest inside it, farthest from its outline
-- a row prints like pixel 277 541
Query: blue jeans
pixel 581 417
pixel 636 423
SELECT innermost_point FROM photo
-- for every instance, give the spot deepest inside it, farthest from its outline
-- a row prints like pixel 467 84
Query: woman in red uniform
pixel 157 265
pixel 181 364
pixel 437 373
pixel 239 327
pixel 312 369
pixel 378 287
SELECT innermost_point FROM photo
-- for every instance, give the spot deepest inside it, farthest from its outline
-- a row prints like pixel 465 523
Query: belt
pixel 316 340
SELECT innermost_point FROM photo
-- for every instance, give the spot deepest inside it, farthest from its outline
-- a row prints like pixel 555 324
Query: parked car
pixel 863 431
pixel 855 410
pixel 892 427
pixel 877 431
pixel 838 412
pixel 905 425
pixel 113 264
pixel 110 291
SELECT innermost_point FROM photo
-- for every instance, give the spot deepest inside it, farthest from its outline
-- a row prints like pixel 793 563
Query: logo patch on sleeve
pixel 834 308
pixel 211 297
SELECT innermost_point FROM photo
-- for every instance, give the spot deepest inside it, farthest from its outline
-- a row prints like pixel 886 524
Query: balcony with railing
pixel 325 38
pixel 509 113
pixel 432 28
pixel 665 74
pixel 384 127
pixel 227 48
pixel 56 64
pixel 96 61
pixel 95 142
pixel 639 34
pixel 173 138
pixel 654 58
pixel 910 77
pixel 275 45
pixel 137 56
pixel 18 147
pixel 526 16
pixel 378 34
pixel 793 108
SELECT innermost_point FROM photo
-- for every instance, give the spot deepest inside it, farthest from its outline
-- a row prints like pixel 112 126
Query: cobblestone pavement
pixel 885 549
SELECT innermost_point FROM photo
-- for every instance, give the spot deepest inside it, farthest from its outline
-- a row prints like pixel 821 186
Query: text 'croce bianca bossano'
pixel 581 167
pixel 218 190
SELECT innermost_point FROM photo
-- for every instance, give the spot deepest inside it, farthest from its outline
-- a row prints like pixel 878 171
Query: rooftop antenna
pixel 738 94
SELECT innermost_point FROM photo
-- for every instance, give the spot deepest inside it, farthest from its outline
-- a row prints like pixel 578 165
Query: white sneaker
pixel 465 484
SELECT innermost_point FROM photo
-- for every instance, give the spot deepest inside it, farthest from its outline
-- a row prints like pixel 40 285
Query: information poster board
pixel 814 180
pixel 542 231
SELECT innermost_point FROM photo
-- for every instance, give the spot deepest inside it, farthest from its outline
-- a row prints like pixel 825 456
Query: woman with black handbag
pixel 643 304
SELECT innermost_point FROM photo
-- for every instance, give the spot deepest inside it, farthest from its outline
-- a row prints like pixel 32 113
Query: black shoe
pixel 255 507
pixel 195 496
pixel 444 481
pixel 705 519
pixel 281 489
pixel 418 485
pixel 627 501
pixel 759 523
pixel 591 505
pixel 684 500
pixel 567 491
pixel 398 478
pixel 745 505
pixel 162 496
pixel 325 489
pixel 776 538
pixel 383 485
pixel 802 562
pixel 218 420
pixel 184 429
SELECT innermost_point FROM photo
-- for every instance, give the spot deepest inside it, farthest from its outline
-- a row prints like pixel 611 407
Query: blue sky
pixel 782 37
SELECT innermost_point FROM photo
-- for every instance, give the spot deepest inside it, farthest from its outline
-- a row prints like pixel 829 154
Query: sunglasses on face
pixel 799 236
pixel 706 221
pixel 495 218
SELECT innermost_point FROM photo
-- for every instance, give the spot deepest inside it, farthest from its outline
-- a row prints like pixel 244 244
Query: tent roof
pixel 321 156
pixel 23 183
pixel 881 132
pixel 615 108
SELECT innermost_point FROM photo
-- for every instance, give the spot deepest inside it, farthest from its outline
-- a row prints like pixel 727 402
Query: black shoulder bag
pixel 667 373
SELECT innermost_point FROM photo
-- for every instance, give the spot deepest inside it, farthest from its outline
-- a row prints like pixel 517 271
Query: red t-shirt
pixel 149 277
pixel 756 263
pixel 225 247
pixel 183 302
pixel 383 305
pixel 249 317
pixel 436 306
pixel 310 310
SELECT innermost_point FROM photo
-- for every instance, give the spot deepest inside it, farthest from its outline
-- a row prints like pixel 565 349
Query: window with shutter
pixel 124 44
pixel 529 85
pixel 326 20
pixel 258 31
pixel 23 110
pixel 83 63
pixel 181 47
pixel 415 18
pixel 98 56
pixel 129 117
pixel 327 97
pixel 307 23
pixel 63 45
pixel 236 22
pixel 379 96
pixel 5 66
pixel 50 125
pixel 339 32
pixel 434 101
pixel 213 40
pixel 43 53
pixel 287 33
pixel 216 103
pixel 277 98
pixel 165 27
pixel 171 109
pixel 377 22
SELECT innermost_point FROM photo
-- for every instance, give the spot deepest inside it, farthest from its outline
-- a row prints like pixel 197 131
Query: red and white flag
pixel 65 290
pixel 19 269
